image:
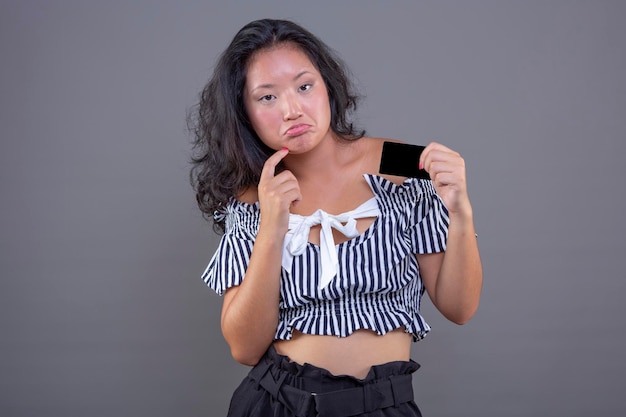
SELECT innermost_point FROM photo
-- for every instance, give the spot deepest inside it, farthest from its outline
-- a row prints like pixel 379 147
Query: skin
pixel 287 103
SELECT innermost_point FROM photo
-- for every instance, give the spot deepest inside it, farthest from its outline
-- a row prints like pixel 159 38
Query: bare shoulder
pixel 374 151
pixel 249 196
pixel 375 145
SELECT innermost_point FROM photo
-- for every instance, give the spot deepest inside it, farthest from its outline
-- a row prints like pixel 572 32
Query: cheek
pixel 323 106
pixel 264 123
pixel 257 118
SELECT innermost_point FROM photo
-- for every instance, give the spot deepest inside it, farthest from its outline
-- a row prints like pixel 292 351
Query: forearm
pixel 460 278
pixel 250 312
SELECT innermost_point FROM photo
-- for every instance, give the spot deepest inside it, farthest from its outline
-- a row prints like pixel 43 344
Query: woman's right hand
pixel 250 310
pixel 276 194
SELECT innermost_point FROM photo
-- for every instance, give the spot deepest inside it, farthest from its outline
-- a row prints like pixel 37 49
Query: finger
pixel 280 185
pixel 269 168
pixel 435 146
pixel 293 195
pixel 448 179
pixel 453 171
pixel 426 155
pixel 439 153
pixel 449 165
pixel 289 186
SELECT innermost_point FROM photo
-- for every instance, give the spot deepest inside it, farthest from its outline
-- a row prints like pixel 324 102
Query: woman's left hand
pixel 453 278
pixel 447 171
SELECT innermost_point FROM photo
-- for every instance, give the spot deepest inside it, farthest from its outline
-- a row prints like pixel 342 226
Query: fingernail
pixel 285 149
pixel 421 166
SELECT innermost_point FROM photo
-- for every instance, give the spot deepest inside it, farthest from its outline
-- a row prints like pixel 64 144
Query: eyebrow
pixel 268 86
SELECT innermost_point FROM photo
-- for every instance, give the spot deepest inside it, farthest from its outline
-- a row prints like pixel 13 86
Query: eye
pixel 267 97
pixel 305 87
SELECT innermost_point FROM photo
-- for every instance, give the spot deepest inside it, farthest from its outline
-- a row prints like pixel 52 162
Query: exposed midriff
pixel 352 355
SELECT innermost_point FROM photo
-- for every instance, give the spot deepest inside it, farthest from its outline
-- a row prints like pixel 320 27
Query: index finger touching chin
pixel 269 168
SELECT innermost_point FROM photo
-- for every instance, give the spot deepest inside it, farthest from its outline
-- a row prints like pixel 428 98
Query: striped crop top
pixel 377 285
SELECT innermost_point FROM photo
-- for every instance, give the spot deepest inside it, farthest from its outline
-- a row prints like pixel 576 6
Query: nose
pixel 292 109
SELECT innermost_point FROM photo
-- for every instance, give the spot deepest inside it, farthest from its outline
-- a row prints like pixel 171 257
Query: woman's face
pixel 286 99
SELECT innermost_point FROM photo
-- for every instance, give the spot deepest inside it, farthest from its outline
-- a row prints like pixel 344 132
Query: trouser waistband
pixel 390 391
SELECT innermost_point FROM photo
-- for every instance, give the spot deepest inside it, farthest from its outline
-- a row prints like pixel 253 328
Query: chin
pixel 299 146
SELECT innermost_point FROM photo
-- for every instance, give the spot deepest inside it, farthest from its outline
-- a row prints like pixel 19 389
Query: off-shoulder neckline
pixel 368 177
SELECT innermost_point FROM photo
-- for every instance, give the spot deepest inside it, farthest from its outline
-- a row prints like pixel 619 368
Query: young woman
pixel 323 260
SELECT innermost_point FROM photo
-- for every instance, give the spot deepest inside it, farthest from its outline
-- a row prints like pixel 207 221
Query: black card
pixel 402 159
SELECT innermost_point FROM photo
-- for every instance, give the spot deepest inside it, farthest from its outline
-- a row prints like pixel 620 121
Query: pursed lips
pixel 297 130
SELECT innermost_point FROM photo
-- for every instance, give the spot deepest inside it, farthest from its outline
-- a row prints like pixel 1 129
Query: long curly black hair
pixel 227 155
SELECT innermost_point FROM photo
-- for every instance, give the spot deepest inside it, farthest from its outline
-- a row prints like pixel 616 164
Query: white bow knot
pixel 297 237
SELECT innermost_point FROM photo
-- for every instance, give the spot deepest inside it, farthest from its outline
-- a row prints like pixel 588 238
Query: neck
pixel 324 163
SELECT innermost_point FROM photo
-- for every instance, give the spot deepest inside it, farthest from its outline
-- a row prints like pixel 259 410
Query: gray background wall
pixel 102 309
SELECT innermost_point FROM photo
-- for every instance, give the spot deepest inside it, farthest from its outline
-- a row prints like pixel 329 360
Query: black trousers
pixel 277 387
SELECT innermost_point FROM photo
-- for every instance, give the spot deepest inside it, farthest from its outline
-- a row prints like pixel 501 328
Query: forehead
pixel 283 60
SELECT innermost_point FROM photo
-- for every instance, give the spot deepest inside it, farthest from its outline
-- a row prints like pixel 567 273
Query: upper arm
pixel 227 298
pixel 430 265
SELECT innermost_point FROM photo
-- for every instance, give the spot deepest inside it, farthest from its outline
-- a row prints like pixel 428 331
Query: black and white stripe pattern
pixel 378 286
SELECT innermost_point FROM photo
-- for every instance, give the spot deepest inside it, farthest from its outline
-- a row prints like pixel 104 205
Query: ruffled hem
pixel 380 322
pixel 285 332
